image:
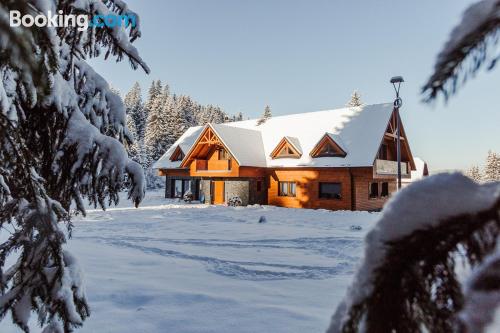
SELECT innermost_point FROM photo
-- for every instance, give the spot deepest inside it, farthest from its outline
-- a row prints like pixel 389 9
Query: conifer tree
pixel 135 108
pixel 265 116
pixel 62 132
pixel 355 100
pixel 154 124
pixel 492 167
pixel 474 173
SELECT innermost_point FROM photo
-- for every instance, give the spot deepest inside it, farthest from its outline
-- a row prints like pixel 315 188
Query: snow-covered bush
pixel 62 136
pixel 188 196
pixel 407 281
pixel 235 201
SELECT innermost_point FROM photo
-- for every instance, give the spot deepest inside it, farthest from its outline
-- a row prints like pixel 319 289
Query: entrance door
pixel 218 192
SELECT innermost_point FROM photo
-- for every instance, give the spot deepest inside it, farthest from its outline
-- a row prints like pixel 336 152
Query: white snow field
pixel 183 268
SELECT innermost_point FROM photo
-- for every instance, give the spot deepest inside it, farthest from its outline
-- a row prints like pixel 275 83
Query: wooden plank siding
pixel 307 192
pixel 362 178
pixel 355 184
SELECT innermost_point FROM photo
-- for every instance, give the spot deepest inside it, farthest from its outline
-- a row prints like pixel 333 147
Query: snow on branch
pixel 407 279
pixel 467 49
pixel 482 296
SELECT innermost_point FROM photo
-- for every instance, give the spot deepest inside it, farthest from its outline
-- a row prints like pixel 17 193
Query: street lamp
pixel 398 102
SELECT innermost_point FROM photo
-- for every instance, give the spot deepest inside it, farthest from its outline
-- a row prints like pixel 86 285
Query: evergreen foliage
pixel 62 131
pixel 161 120
pixel 474 173
pixel 355 100
pixel 265 116
pixel 492 167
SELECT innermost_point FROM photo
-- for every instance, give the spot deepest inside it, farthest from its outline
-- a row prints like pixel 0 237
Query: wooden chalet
pixel 336 159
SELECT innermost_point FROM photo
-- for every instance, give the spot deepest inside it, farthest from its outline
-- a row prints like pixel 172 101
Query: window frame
pixel 291 189
pixel 327 196
pixel 388 192
pixel 370 191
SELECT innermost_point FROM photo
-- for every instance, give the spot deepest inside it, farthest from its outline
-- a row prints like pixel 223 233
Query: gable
pixel 177 155
pixel 207 142
pixel 388 147
pixel 286 149
pixel 328 147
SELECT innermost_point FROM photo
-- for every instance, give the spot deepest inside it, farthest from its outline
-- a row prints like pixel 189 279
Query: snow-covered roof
pixel 359 131
pixel 245 145
pixel 420 171
pixel 184 143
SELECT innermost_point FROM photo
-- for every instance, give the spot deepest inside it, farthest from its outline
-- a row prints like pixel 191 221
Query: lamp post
pixel 398 102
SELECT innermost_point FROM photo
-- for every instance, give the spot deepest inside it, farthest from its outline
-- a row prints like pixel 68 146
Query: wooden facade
pixel 216 175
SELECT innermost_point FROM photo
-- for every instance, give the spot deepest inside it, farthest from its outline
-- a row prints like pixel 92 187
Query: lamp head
pixel 397 79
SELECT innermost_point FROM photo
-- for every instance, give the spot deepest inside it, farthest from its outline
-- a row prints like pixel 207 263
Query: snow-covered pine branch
pixel 482 298
pixel 62 132
pixel 407 280
pixel 468 48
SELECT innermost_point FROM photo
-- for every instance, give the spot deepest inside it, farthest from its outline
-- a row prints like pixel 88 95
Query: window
pixel 223 155
pixel 285 150
pixel 177 190
pixel 177 155
pixel 180 187
pixel 186 186
pixel 328 150
pixel 327 147
pixel 385 189
pixel 330 190
pixel 373 190
pixel 259 185
pixel 287 189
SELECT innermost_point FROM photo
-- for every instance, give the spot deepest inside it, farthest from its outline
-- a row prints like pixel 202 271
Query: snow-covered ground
pixel 174 267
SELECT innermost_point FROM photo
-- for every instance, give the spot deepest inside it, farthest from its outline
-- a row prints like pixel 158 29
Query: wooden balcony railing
pixel 201 165
pixel 390 168
pixel 220 165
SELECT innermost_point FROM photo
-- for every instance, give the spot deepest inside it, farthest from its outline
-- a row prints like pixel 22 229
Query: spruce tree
pixel 62 132
pixel 474 173
pixel 265 116
pixel 492 167
pixel 154 128
pixel 135 108
pixel 355 100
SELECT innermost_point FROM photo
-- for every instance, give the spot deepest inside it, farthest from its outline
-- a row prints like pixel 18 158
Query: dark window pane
pixel 374 190
pixel 330 190
pixel 259 186
pixel 385 189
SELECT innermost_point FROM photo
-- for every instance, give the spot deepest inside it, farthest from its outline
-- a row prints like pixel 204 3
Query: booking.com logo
pixel 82 22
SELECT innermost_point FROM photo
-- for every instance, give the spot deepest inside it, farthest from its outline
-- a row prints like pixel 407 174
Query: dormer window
pixel 328 147
pixel 287 149
pixel 177 155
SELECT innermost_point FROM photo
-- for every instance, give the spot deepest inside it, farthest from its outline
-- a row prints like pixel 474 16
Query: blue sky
pixel 300 56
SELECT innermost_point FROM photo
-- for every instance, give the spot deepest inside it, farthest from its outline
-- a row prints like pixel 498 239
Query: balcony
pixel 201 165
pixel 390 168
pixel 212 166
